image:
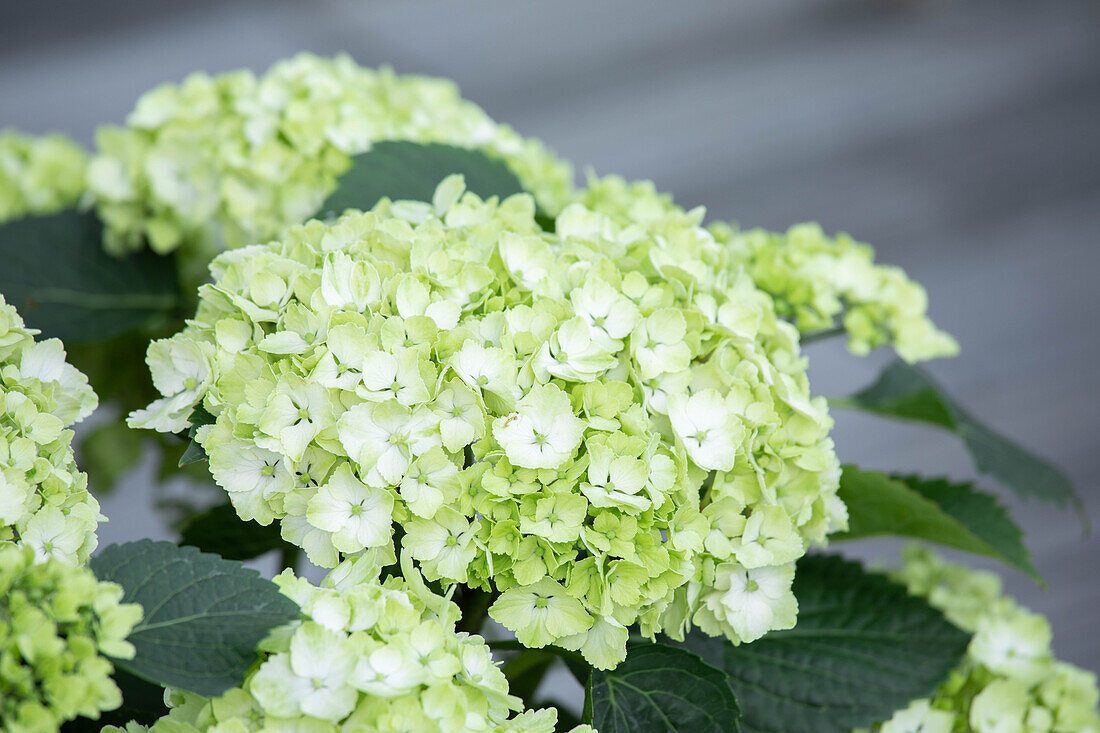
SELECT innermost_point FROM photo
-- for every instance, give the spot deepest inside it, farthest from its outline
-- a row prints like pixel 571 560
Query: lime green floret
pixel 1009 680
pixel 223 161
pixel 56 624
pixel 39 175
pixel 44 499
pixel 607 424
pixel 367 655
pixel 816 281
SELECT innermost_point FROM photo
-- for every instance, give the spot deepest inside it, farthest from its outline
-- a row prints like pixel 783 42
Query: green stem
pixel 511 645
pixel 826 333
pixel 289 555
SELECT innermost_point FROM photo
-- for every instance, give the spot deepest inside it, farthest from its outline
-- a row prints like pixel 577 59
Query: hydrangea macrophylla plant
pixel 812 278
pixel 56 623
pixel 39 175
pixel 366 655
pixel 583 413
pixel 606 424
pixel 44 500
pixel 1009 680
pixel 233 159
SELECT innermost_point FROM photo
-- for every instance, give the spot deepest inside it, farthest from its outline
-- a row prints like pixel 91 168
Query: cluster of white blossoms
pixel 56 623
pixel 812 278
pixel 607 424
pixel 223 161
pixel 366 656
pixel 1009 682
pixel 44 500
pixel 39 175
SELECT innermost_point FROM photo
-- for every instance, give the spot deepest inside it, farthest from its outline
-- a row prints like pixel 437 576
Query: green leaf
pixel 220 531
pixel 525 672
pixel 57 274
pixel 204 615
pixel 936 510
pixel 194 452
pixel 905 392
pixel 661 688
pixel 862 649
pixel 401 170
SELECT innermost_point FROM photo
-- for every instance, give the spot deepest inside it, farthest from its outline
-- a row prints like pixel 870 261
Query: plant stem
pixel 511 645
pixel 825 333
pixel 288 556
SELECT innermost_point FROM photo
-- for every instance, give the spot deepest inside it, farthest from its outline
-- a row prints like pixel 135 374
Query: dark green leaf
pixel 664 689
pixel 952 514
pixel 204 615
pixel 862 649
pixel 220 531
pixel 142 702
pixel 401 170
pixel 194 452
pixel 57 274
pixel 567 719
pixel 906 392
pixel 525 671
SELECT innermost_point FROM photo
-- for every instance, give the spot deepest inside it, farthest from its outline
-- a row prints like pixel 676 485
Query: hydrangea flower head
pixel 606 425
pixel 814 279
pixel 39 175
pixel 44 500
pixel 223 161
pixel 58 623
pixel 366 655
pixel 1009 680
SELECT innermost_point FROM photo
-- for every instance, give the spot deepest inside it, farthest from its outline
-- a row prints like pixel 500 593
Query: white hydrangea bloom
pixel 561 417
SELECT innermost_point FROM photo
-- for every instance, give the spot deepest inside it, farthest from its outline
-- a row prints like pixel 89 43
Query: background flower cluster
pixel 39 175
pixel 1009 680
pixel 230 160
pixel 57 623
pixel 44 499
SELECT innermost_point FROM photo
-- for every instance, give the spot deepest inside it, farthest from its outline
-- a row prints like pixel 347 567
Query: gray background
pixel 960 138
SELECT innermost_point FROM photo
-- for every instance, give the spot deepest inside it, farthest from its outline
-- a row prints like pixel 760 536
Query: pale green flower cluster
pixel 367 656
pixel 1009 682
pixel 39 175
pixel 607 424
pixel 44 499
pixel 812 278
pixel 223 161
pixel 56 623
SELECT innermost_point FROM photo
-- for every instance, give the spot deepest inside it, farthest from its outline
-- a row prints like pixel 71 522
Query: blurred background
pixel 961 139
